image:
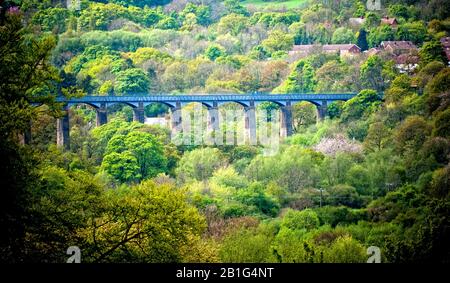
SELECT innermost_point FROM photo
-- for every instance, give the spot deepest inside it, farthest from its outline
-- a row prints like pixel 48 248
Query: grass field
pixel 276 4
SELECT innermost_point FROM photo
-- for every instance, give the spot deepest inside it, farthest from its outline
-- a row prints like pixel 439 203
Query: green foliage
pixel 254 195
pixel 436 91
pixel 381 33
pixel 339 215
pixel 442 124
pixel 232 23
pixel 343 36
pixel 139 218
pixel 345 250
pixel 432 51
pixel 278 41
pixel 53 19
pixel 398 10
pixel 300 80
pixel 334 109
pixel 135 156
pixel 411 134
pixel 414 31
pixel 373 73
pixel 199 164
pixel 233 6
pixel 364 103
pixel 347 194
pixel 313 207
pixel 214 51
pixel 133 81
pixel 361 40
pixel 202 13
pixel 245 246
pixel 297 220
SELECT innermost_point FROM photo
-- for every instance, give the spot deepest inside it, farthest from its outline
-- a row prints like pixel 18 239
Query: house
pixel 356 22
pixel 404 54
pixel 398 47
pixel 407 63
pixel 389 21
pixel 301 51
pixel 342 49
pixel 445 41
pixel 372 51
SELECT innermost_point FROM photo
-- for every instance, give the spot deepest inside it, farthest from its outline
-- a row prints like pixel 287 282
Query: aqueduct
pixel 211 101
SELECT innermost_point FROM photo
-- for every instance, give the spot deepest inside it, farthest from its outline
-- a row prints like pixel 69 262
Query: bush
pixel 333 215
pixel 345 250
pixel 296 220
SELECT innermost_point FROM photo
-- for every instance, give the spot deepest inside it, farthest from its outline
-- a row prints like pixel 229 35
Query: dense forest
pixel 374 172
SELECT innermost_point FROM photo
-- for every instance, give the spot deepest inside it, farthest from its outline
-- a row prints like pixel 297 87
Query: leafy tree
pixel 442 124
pixel 342 36
pixel 372 20
pixel 398 10
pixel 377 137
pixel 415 32
pixel 379 34
pixel 233 6
pixel 254 195
pixel 278 41
pixel 122 166
pixel 214 51
pixel 134 156
pixel 437 91
pixel 148 151
pixel 373 73
pixel 304 114
pixel 301 79
pixel 334 76
pixel 412 133
pixel 345 250
pixel 432 51
pixel 233 24
pixel 361 40
pixel 199 164
pixel 345 194
pixel 295 220
pixel 53 19
pixel 202 13
pixel 99 15
pixel 359 178
pixel 167 23
pixel 365 101
pixel 246 246
pixel 131 81
pixel 28 76
pixel 139 219
pixel 334 109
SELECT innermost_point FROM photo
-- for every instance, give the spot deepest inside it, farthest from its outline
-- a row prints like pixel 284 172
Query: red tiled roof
pixel 398 44
pixel 389 21
pixel 339 47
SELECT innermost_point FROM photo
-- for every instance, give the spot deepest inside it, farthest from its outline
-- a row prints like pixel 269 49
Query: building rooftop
pixel 398 44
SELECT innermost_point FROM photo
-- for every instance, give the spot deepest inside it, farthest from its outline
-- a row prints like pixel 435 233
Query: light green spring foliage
pixel 393 195
pixel 199 164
